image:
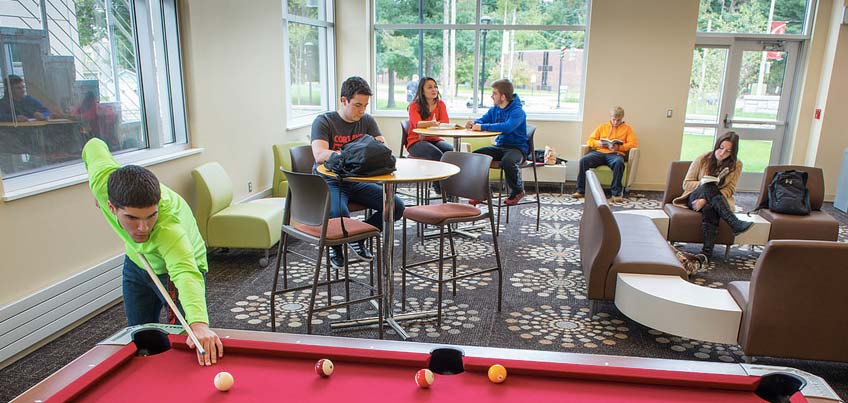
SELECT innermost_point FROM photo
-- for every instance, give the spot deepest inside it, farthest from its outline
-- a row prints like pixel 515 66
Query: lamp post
pixel 485 21
pixel 559 85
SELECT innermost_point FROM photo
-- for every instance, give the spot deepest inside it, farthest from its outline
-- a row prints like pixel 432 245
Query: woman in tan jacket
pixel 709 185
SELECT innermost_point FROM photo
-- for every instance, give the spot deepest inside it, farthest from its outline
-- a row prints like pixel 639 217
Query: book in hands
pixel 609 143
pixel 709 179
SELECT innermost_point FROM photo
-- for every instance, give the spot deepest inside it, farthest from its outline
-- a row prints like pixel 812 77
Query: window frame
pixel 162 90
pixel 477 29
pixel 327 58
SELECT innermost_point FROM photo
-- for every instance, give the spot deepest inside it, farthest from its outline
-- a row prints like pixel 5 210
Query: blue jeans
pixel 595 159
pixel 142 300
pixel 510 159
pixel 367 194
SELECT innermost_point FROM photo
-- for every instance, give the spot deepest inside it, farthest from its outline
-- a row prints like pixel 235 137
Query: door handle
pixel 726 121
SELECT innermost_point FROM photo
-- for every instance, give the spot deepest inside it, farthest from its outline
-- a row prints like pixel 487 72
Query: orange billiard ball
pixel 223 381
pixel 324 367
pixel 497 373
pixel 424 378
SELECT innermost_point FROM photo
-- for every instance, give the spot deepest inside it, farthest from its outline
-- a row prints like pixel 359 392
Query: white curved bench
pixel 676 306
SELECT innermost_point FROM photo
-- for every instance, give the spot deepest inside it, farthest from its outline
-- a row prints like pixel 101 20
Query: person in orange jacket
pixel 609 143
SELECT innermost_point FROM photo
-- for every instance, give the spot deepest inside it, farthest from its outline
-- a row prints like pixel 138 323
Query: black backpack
pixel 364 156
pixel 787 193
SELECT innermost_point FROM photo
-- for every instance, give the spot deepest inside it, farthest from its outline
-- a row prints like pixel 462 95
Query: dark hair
pixel 11 79
pixel 504 86
pixel 714 166
pixel 421 100
pixel 355 86
pixel 133 186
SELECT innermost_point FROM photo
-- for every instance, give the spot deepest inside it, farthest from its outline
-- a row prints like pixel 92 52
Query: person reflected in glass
pixel 26 107
pixel 709 186
pixel 427 110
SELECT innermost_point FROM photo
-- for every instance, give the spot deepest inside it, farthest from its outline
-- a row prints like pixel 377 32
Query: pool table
pixel 280 367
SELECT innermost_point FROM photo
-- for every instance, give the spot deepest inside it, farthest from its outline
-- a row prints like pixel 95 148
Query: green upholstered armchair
pixel 282 159
pixel 604 173
pixel 252 225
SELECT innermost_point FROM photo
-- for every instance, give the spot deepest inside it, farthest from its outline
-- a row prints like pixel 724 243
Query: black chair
pixel 307 218
pixel 529 162
pixel 471 182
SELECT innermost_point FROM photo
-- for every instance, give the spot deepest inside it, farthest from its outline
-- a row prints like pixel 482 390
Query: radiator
pixel 30 320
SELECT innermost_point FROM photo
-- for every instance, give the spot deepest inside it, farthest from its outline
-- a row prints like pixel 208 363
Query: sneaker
pixel 337 257
pixel 617 199
pixel 514 199
pixel 361 252
pixel 577 195
pixel 474 202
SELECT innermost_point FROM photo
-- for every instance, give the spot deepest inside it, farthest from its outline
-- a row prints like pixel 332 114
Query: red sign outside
pixel 777 28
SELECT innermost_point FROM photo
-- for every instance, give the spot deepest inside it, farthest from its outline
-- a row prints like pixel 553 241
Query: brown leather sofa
pixel 795 304
pixel 816 226
pixel 684 225
pixel 618 243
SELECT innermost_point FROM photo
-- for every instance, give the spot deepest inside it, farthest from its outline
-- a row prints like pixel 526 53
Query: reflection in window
pixel 76 76
pixel 310 52
pixel 543 54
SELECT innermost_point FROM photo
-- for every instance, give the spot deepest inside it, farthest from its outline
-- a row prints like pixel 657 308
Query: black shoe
pixel 337 257
pixel 720 205
pixel 709 232
pixel 361 252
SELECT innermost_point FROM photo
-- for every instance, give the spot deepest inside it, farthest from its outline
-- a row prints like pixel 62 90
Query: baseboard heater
pixel 32 319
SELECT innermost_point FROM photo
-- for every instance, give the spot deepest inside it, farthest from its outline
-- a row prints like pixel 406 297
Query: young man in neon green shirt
pixel 155 221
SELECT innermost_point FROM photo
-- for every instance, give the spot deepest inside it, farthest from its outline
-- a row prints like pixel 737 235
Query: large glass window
pixel 753 16
pixel 73 70
pixel 309 28
pixel 538 44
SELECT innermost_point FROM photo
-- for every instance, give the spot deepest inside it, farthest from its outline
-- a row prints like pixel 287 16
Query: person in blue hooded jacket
pixel 507 117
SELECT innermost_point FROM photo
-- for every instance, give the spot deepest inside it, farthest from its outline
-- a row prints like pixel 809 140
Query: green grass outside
pixel 754 154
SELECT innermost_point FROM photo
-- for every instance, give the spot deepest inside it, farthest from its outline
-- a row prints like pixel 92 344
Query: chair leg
pixel 403 265
pixel 538 200
pixel 441 274
pixel 453 257
pixel 498 260
pixel 285 261
pixel 315 287
pixel 347 288
pixel 381 302
pixel 274 286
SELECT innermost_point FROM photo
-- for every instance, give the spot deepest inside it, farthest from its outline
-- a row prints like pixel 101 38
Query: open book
pixel 608 143
pixel 709 178
pixel 446 126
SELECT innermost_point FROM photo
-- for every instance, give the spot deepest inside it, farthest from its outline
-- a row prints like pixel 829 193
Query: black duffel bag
pixel 364 156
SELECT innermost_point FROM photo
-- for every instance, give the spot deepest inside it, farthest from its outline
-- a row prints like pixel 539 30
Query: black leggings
pixel 707 191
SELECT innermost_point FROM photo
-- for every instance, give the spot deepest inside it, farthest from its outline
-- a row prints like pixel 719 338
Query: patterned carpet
pixel 544 302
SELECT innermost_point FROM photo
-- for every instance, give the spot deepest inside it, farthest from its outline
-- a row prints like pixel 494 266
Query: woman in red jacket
pixel 426 110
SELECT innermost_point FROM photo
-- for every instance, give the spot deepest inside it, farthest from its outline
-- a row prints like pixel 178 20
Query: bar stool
pixel 471 182
pixel 307 217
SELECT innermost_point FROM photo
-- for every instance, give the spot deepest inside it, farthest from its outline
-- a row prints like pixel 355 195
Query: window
pixel 310 53
pixel 73 70
pixel 538 44
pixel 774 17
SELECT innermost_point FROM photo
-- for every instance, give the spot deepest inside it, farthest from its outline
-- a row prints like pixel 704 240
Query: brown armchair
pixel 684 225
pixel 795 304
pixel 816 226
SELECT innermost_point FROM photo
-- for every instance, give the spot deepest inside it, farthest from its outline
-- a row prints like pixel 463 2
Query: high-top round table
pixel 408 171
pixel 456 134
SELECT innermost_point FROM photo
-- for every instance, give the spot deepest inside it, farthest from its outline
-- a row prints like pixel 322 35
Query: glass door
pixel 744 86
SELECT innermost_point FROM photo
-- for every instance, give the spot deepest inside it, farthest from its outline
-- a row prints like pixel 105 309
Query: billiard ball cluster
pixel 324 368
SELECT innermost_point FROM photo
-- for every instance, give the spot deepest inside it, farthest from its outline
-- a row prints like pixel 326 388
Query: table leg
pixel 388 263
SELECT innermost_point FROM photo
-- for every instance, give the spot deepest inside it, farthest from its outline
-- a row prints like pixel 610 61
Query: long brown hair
pixel 710 162
pixel 421 100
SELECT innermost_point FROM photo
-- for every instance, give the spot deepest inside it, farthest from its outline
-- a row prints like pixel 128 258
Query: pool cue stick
pixel 171 304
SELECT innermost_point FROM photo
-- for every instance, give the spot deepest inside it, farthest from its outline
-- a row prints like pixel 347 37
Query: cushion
pixel 818 226
pixel 334 228
pixel 436 214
